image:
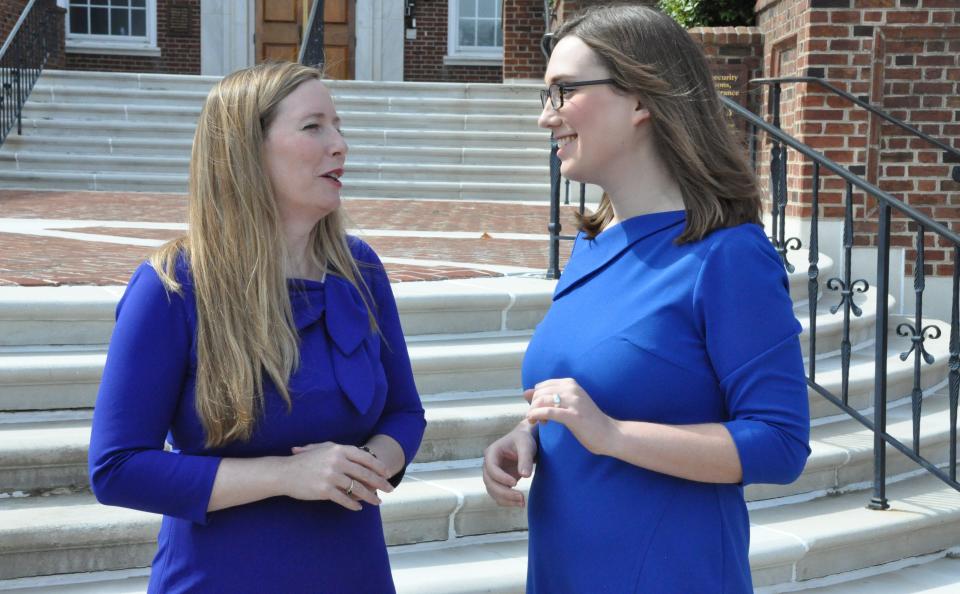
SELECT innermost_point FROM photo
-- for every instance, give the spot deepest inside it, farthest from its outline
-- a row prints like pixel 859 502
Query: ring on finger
pixel 350 488
pixel 556 400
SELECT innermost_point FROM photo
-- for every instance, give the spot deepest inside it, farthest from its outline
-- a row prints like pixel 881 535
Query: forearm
pixel 245 480
pixel 704 453
pixel 388 452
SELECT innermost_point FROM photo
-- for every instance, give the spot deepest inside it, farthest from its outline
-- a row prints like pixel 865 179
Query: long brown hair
pixel 235 250
pixel 648 54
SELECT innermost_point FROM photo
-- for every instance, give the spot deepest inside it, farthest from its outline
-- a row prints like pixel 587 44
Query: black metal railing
pixel 22 58
pixel 311 47
pixel 847 287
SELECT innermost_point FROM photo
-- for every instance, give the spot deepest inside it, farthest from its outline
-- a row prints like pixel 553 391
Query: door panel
pixel 280 27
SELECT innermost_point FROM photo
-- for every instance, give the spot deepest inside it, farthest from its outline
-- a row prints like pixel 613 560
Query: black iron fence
pixel 846 287
pixel 22 58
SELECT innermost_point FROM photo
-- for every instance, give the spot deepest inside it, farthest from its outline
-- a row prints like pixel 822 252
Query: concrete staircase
pixel 466 340
pixel 133 132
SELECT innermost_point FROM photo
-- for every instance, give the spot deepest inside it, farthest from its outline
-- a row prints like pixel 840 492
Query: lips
pixel 334 176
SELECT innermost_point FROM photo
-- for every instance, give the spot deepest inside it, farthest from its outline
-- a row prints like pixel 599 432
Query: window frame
pixel 90 43
pixel 457 55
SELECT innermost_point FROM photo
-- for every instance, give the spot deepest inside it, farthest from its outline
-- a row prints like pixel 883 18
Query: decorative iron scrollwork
pixel 846 295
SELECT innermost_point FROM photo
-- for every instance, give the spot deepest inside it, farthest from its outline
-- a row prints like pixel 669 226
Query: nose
pixel 549 118
pixel 339 147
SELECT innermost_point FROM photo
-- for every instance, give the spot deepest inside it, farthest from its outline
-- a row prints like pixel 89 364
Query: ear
pixel 640 114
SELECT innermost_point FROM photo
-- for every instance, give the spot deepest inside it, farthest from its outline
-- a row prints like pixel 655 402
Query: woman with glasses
pixel 668 372
pixel 266 348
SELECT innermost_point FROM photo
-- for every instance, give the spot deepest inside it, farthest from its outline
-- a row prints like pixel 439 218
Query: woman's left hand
pixel 565 402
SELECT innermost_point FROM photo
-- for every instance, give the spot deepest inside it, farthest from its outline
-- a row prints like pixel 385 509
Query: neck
pixel 299 262
pixel 642 184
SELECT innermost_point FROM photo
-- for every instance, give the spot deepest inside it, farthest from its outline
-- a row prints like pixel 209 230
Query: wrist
pixel 610 444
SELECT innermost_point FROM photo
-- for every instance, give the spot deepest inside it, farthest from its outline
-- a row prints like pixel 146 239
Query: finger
pixel 493 465
pixel 306 448
pixel 528 394
pixel 525 454
pixel 367 477
pixel 504 495
pixel 363 493
pixel 560 415
pixel 341 498
pixel 360 457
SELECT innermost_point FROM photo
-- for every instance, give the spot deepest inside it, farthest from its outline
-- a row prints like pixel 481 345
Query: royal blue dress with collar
pixel 702 332
pixel 351 384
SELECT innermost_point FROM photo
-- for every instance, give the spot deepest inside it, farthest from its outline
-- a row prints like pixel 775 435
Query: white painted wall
pixel 379 33
pixel 226 36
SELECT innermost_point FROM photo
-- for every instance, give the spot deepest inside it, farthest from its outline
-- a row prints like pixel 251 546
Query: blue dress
pixel 702 332
pixel 351 384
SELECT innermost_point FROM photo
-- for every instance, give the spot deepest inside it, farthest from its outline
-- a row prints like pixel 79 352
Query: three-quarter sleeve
pixel 743 308
pixel 147 363
pixel 403 417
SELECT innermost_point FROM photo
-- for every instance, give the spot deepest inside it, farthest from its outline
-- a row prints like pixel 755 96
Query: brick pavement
pixel 31 260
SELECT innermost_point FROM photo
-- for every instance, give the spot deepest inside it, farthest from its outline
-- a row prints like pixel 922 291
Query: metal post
pixel 879 499
pixel 553 269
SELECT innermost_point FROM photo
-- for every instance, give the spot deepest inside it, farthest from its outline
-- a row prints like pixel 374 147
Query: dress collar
pixel 593 254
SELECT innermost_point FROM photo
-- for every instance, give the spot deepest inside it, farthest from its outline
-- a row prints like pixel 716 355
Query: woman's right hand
pixel 328 470
pixel 505 461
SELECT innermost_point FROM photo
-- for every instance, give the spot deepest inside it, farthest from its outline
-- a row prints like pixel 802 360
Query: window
pixel 475 30
pixel 112 26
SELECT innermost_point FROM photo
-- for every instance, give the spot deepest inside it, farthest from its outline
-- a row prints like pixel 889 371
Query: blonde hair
pixel 235 250
pixel 648 54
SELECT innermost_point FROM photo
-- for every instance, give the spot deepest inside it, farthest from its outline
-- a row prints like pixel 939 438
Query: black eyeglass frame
pixel 562 87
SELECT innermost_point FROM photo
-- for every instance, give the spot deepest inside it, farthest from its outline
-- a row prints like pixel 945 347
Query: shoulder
pixel 147 291
pixel 738 246
pixel 362 252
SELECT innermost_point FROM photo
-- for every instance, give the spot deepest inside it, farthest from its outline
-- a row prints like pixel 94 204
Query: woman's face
pixel 594 128
pixel 303 154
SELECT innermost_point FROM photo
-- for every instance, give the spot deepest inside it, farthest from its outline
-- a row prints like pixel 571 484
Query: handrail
pixel 24 54
pixel 16 28
pixel 954 152
pixel 311 48
pixel 853 179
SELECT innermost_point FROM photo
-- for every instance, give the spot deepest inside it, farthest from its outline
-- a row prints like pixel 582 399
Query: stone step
pixel 42 451
pixel 187 83
pixel 138 182
pixel 45 378
pixel 77 315
pixel 472 566
pixel 345 100
pixel 64 150
pixel 939 576
pixel 790 544
pixel 356 169
pixel 369 119
pixel 147 132
pixel 47 450
pixel 70 533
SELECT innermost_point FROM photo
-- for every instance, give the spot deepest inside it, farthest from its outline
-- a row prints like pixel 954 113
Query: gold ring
pixel 350 488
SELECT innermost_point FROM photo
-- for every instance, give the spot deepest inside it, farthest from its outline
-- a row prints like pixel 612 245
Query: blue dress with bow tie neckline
pixel 701 332
pixel 351 384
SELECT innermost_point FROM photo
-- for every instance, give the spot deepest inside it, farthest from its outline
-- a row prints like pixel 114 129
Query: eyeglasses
pixel 555 91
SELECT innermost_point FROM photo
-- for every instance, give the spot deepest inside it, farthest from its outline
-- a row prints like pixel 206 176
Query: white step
pixel 75 315
pixel 940 576
pixel 790 545
pixel 71 533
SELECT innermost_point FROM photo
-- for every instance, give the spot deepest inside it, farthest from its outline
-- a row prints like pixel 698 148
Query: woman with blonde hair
pixel 668 372
pixel 265 347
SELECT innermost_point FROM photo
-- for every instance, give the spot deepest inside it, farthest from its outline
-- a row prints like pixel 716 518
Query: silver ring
pixel 556 399
pixel 350 488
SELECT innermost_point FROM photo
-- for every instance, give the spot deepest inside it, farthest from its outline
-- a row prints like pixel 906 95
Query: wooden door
pixel 281 26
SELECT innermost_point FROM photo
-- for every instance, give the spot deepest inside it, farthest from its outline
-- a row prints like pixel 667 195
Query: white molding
pixel 380 33
pixel 468 60
pixel 482 57
pixel 112 49
pixel 113 44
pixel 226 36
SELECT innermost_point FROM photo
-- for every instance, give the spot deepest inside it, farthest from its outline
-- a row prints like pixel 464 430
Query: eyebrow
pixel 558 78
pixel 321 116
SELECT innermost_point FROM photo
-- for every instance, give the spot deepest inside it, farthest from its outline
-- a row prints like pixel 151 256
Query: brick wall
pixel 734 50
pixel 8 17
pixel 12 9
pixel 902 56
pixel 523 29
pixel 179 50
pixel 423 56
